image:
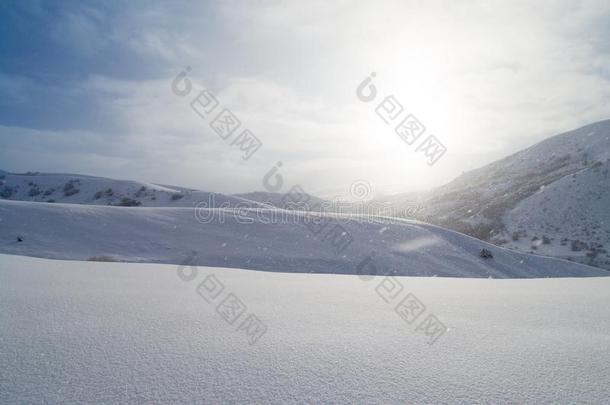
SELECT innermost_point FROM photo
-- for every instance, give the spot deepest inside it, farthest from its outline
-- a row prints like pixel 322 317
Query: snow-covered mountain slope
pixel 575 205
pixel 76 332
pixel 512 195
pixel 79 189
pixel 271 239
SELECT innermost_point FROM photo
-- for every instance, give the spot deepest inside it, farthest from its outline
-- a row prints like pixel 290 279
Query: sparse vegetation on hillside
pixel 7 192
pixel 102 258
pixel 34 191
pixel 129 202
pixel 70 188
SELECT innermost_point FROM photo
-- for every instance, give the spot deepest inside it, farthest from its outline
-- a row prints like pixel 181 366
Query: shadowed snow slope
pixel 252 239
pixel 82 332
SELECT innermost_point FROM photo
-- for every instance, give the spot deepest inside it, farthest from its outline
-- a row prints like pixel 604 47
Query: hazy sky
pixel 86 86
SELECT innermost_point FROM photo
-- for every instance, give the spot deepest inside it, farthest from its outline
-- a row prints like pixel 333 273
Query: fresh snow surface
pixel 261 240
pixel 82 332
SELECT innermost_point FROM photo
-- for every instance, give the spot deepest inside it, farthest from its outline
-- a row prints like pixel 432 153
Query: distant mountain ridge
pixel 282 200
pixel 91 190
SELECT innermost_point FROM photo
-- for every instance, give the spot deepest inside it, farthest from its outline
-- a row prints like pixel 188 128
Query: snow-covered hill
pixel 280 200
pixel 557 189
pixel 77 332
pixel 550 199
pixel 575 205
pixel 79 189
pixel 269 239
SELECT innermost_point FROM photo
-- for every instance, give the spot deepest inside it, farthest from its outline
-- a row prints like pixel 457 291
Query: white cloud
pixel 487 78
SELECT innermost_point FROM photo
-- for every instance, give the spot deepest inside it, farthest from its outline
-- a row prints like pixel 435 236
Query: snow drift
pixel 75 332
pixel 250 239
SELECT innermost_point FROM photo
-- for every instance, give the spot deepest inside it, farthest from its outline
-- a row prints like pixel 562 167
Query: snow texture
pixel 80 332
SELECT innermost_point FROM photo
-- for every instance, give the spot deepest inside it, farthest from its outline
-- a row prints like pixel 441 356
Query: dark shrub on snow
pixel 70 188
pixel 486 254
pixel 129 202
pixel 101 259
pixel 6 192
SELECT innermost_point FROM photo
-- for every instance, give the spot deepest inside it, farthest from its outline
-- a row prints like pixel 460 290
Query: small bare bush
pixel 101 259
